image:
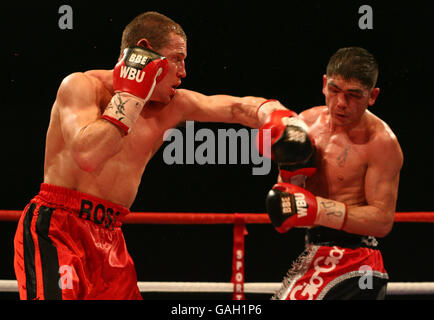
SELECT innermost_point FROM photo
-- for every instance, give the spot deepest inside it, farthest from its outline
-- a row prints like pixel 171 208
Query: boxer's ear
pixel 144 43
pixel 324 84
pixel 373 96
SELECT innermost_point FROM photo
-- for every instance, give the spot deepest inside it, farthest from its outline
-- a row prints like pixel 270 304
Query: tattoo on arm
pixel 331 208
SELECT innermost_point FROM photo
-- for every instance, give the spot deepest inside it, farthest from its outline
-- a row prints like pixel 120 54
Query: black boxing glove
pixel 289 144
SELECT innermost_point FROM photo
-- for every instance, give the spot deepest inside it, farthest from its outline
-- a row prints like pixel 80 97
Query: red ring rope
pixel 215 218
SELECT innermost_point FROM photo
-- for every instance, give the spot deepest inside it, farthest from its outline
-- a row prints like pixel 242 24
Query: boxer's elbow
pixel 86 161
pixel 384 229
pixel 369 221
pixel 88 157
pixel 92 147
pixel 384 226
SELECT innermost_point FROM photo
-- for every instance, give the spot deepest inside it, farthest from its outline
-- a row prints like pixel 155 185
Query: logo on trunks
pixel 309 290
pixel 98 214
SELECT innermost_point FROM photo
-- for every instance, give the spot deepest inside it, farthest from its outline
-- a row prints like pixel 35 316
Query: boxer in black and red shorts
pixel 335 266
pixel 69 245
pixel 339 168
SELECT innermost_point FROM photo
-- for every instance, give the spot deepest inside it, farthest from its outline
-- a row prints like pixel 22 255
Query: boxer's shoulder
pixel 184 97
pixel 383 142
pixel 380 130
pixel 184 101
pixel 313 114
pixel 75 85
pixel 171 113
pixel 84 87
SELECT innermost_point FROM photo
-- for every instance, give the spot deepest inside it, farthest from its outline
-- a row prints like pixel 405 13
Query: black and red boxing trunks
pixel 335 266
pixel 69 245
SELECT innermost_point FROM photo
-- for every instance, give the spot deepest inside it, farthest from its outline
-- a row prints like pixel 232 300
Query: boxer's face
pixel 347 100
pixel 176 53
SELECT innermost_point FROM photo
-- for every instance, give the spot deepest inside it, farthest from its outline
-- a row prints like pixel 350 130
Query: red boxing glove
pixel 276 124
pixel 284 138
pixel 291 206
pixel 138 72
pixel 134 79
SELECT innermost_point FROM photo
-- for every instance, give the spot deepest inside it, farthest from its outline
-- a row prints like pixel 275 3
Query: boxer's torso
pixel 117 180
pixel 342 155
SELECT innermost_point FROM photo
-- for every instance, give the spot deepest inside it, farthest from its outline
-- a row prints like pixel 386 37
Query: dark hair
pixel 153 26
pixel 354 63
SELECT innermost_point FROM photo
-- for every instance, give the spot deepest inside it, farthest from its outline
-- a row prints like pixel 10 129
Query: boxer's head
pixel 152 26
pixel 349 85
pixel 354 63
pixel 163 35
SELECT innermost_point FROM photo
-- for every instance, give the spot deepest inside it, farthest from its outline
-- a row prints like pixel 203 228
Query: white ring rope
pixel 393 288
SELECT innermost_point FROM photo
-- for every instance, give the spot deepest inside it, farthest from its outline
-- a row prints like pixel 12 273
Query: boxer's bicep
pixel 382 179
pixel 381 190
pixel 91 140
pixel 376 217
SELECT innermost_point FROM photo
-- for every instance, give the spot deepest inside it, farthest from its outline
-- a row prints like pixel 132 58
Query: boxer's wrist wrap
pixel 259 107
pixel 123 110
pixel 332 214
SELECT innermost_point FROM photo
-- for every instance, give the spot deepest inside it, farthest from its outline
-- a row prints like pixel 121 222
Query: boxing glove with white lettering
pixel 134 79
pixel 290 206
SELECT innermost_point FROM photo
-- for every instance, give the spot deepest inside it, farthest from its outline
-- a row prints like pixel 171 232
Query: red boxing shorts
pixel 336 270
pixel 69 245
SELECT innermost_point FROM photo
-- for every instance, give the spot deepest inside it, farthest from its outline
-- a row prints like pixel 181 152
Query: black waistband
pixel 330 237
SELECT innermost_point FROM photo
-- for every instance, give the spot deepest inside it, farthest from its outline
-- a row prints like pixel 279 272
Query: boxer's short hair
pixel 354 63
pixel 153 26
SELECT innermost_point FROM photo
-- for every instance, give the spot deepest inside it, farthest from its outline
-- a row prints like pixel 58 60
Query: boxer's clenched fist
pixel 138 72
pixel 134 79
pixel 291 206
pixel 288 143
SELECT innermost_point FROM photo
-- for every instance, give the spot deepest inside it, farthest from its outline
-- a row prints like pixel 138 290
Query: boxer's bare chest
pixel 342 161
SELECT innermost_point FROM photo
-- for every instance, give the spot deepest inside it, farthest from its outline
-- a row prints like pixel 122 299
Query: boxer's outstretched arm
pixel 224 108
pixel 91 140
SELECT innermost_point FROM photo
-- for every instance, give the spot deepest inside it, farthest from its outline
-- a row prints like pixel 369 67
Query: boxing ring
pixel 236 286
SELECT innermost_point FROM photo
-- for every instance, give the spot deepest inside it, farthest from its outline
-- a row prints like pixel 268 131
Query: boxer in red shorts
pixel 104 128
pixel 70 245
pixel 339 176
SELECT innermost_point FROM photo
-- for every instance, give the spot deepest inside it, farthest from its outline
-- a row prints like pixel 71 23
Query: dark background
pixel 271 49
